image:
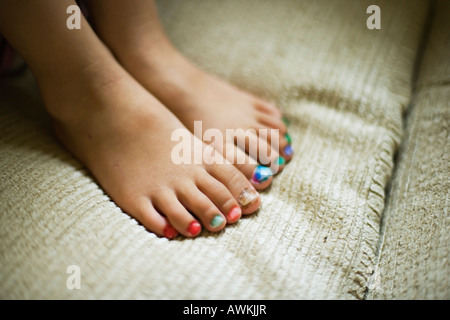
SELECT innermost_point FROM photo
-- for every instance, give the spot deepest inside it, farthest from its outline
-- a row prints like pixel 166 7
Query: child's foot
pixel 123 135
pixel 118 129
pixel 193 95
pixel 132 31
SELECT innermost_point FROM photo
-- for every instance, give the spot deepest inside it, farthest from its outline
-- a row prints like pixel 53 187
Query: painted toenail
pixel 261 174
pixel 170 232
pixel 281 161
pixel 247 197
pixel 194 228
pixel 217 221
pixel 234 214
pixel 288 138
pixel 288 150
pixel 285 121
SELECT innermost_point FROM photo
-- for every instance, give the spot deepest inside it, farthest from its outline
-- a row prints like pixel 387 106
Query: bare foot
pixel 123 135
pixel 121 132
pixel 193 95
pixel 134 34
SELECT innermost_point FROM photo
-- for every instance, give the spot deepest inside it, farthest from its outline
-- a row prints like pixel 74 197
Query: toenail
pixel 217 221
pixel 234 214
pixel 288 138
pixel 281 161
pixel 170 232
pixel 288 150
pixel 247 197
pixel 285 121
pixel 194 228
pixel 261 174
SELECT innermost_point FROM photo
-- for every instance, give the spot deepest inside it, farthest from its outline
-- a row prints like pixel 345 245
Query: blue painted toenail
pixel 261 174
pixel 288 150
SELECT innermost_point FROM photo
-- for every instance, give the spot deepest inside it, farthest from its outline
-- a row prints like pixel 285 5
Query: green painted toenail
pixel 281 161
pixel 286 121
pixel 288 138
pixel 217 221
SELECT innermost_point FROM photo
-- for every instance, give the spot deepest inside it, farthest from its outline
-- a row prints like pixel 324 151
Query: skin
pixel 117 119
pixel 191 94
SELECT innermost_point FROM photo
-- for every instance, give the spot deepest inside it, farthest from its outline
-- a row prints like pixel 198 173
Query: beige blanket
pixel 343 87
pixel 415 240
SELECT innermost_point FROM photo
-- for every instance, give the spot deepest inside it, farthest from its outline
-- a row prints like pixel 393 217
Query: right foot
pixel 251 133
pixel 123 135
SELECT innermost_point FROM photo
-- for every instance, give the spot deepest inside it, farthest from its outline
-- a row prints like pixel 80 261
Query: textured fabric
pixel 343 88
pixel 414 249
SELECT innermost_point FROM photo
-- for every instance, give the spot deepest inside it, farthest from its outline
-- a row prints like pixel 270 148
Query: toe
pixel 209 207
pixel 272 122
pixel 166 203
pixel 222 198
pixel 283 137
pixel 238 185
pixel 262 147
pixel 276 146
pixel 267 107
pixel 249 141
pixel 257 175
pixel 286 147
pixel 279 141
pixel 153 221
pixel 268 150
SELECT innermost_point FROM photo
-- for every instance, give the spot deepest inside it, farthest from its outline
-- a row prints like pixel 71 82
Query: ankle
pixel 70 94
pixel 152 55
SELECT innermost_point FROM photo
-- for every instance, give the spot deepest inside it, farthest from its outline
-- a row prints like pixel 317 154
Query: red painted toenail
pixel 194 228
pixel 170 232
pixel 234 214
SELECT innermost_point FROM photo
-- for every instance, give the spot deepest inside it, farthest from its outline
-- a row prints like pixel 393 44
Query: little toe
pixel 267 107
pixel 153 221
pixel 272 122
pixel 168 204
pixel 285 120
